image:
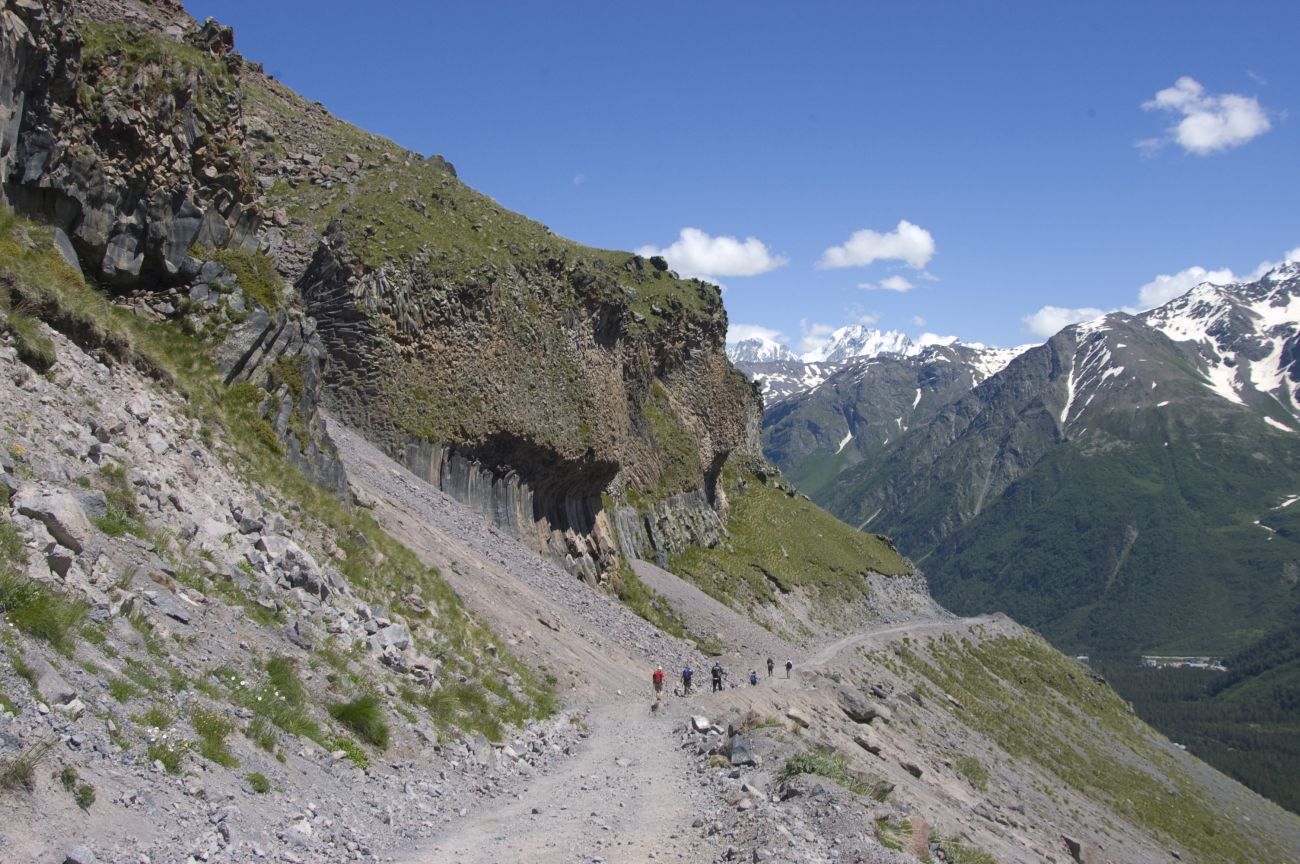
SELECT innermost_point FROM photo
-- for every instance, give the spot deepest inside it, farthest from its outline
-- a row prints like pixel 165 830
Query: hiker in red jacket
pixel 658 679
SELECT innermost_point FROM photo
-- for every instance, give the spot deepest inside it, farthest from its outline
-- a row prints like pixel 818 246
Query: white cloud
pixel 918 320
pixel 935 339
pixel 889 283
pixel 1166 287
pixel 1160 290
pixel 741 332
pixel 907 242
pixel 1209 123
pixel 868 318
pixel 813 336
pixel 1050 319
pixel 697 254
pixel 579 179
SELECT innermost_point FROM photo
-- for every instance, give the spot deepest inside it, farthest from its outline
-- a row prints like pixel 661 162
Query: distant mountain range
pixel 783 374
pixel 1127 488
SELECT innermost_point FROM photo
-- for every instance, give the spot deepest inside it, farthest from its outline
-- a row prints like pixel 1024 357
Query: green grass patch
pixel 363 716
pixel 678 447
pixel 779 543
pixel 122 690
pixel 825 762
pixel 170 752
pixel 261 282
pixel 213 728
pixel 33 346
pixel 258 783
pixel 1041 706
pixel 352 751
pixel 155 718
pixel 974 771
pixel 35 608
pixel 641 599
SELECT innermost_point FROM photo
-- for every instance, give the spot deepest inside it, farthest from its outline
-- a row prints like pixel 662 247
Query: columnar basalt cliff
pixel 539 380
pixel 536 392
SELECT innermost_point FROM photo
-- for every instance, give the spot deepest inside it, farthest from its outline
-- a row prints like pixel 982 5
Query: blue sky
pixel 1033 154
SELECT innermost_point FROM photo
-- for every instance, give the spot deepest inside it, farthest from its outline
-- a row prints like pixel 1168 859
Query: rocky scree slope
pixel 205 656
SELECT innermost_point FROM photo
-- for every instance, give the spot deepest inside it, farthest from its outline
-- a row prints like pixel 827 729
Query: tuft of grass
pixel 18 770
pixel 84 796
pixel 154 718
pixel 974 771
pixel 32 607
pixel 260 281
pixel 352 750
pixel 213 728
pixel 364 716
pixel 170 752
pixel 122 690
pixel 258 783
pixel 825 762
pixel 261 733
pixel 955 852
pixel 34 347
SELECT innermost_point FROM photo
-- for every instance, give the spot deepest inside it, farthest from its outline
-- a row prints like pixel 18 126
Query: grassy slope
pixel 42 282
pixel 1200 576
pixel 405 208
pixel 780 542
pixel 1042 707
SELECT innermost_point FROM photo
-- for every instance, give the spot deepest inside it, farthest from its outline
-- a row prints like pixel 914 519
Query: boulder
pixel 394 636
pixel 798 716
pixel 51 686
pixel 60 513
pixel 1079 850
pixel 858 707
pixel 739 752
pixel 79 855
pixel 868 742
pixel 700 723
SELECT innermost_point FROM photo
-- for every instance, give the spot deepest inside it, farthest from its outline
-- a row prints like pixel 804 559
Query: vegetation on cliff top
pixel 398 208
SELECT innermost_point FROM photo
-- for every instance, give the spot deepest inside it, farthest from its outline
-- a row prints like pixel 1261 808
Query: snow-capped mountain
pixel 760 349
pixel 782 374
pixel 857 340
pixel 1123 486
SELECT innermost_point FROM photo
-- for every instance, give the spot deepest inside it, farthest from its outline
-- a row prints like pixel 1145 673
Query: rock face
pixel 137 160
pixel 533 390
pixel 139 165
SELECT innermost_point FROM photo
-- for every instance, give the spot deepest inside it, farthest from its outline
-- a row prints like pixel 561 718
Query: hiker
pixel 789 664
pixel 753 677
pixel 717 677
pixel 686 680
pixel 770 666
pixel 658 679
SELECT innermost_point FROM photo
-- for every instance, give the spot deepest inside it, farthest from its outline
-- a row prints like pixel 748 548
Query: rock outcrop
pixel 125 132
